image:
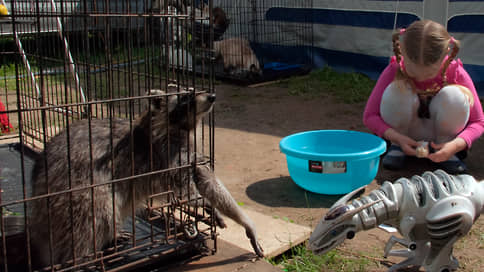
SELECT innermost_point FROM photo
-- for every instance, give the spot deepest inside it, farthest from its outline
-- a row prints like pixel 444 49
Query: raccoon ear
pixel 156 102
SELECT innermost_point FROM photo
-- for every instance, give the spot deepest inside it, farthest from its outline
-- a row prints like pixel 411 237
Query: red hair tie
pixel 402 30
pixel 452 40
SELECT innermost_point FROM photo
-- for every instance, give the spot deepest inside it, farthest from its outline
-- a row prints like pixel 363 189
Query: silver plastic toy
pixel 430 211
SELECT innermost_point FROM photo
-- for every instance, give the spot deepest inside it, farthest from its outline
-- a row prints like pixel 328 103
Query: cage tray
pixel 277 70
pixel 271 71
pixel 148 254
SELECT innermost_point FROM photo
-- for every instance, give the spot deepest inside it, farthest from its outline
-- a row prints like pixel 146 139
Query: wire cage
pixel 70 61
pixel 262 40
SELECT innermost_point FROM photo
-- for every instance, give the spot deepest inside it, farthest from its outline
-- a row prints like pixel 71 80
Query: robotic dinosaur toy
pixel 430 211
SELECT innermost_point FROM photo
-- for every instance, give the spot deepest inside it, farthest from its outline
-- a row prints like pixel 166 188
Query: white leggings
pixel 449 112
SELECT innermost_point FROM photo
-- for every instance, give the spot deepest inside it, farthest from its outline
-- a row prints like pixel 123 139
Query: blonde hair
pixel 425 43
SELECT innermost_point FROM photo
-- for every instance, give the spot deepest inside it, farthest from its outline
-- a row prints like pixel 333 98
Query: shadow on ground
pixel 283 192
pixel 11 177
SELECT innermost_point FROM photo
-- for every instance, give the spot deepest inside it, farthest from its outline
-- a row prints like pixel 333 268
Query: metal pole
pixel 24 57
pixel 67 51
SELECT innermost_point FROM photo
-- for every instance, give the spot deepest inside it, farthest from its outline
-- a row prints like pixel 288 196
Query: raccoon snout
pixel 211 97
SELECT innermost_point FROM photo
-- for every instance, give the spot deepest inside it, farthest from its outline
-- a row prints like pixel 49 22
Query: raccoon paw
pixel 123 237
pixel 255 244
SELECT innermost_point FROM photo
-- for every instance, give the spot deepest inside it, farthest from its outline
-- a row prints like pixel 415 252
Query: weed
pixel 346 87
pixel 300 259
pixel 6 212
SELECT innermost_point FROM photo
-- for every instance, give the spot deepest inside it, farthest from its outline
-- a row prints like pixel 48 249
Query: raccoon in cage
pixel 74 224
pixel 201 31
pixel 237 57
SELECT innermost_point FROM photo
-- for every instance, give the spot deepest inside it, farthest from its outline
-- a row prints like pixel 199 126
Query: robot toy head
pixel 340 223
pixel 332 230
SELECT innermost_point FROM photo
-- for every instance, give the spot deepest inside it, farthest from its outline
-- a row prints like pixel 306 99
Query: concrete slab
pixel 228 258
pixel 9 139
pixel 275 234
pixel 234 252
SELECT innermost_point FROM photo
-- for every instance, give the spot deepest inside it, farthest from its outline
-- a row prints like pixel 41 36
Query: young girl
pixel 425 94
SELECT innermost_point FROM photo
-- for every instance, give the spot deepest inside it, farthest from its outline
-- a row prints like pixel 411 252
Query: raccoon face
pixel 184 110
pixel 188 109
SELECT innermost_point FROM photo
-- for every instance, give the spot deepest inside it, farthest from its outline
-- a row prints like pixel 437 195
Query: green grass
pixel 7 72
pixel 299 259
pixel 8 81
pixel 346 87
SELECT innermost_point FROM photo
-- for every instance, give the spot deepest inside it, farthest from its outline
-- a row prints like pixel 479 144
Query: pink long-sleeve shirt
pixel 455 75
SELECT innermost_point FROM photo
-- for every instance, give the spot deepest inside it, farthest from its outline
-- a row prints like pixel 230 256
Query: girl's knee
pixel 450 109
pixel 398 89
pixel 454 96
pixel 452 100
pixel 398 104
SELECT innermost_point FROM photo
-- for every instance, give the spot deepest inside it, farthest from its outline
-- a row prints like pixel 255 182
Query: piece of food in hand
pixel 422 150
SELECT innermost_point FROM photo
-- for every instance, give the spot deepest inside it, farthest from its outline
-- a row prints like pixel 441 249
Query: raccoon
pixel 167 126
pixel 237 56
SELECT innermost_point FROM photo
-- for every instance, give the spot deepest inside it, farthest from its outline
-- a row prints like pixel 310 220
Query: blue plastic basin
pixel 332 161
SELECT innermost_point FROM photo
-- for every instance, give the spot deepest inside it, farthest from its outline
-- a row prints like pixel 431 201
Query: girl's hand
pixel 407 144
pixel 446 150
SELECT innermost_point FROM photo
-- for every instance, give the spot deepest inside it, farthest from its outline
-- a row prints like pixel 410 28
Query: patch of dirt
pixel 250 122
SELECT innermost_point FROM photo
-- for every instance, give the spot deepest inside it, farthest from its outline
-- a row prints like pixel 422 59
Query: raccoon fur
pixel 167 127
pixel 237 57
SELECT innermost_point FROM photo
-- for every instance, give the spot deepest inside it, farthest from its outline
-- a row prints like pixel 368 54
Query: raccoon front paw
pixel 255 244
pixel 123 237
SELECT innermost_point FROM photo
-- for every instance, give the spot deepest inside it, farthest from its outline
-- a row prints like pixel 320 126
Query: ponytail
pixel 398 52
pixel 453 53
pixel 396 44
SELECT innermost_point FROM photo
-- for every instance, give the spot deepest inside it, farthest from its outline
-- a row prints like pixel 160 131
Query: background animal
pixel 74 216
pixel 220 23
pixel 202 28
pixel 237 56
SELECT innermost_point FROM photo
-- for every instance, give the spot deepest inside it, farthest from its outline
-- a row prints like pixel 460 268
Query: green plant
pixel 6 212
pixel 7 73
pixel 346 87
pixel 8 77
pixel 299 259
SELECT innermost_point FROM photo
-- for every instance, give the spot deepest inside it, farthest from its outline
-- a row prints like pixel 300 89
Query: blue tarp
pixel 356 38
